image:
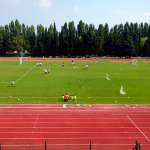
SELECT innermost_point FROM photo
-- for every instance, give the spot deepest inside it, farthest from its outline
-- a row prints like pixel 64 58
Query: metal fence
pixel 90 146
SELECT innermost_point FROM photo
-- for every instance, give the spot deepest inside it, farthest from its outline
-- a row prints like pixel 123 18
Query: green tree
pixel 71 37
pixel 64 40
pixel 100 40
pixel 146 48
pixel 2 51
pixel 40 41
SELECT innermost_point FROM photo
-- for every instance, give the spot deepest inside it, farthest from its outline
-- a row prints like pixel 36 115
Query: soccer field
pixel 90 85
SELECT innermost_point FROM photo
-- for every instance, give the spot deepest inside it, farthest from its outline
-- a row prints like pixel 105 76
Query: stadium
pixel 34 114
pixel 74 75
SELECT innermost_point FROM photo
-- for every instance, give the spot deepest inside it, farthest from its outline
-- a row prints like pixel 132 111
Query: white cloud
pixel 147 14
pixel 44 3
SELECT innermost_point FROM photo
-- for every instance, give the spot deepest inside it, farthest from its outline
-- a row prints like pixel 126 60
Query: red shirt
pixel 66 97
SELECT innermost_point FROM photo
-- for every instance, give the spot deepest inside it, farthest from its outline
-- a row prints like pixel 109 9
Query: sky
pixel 90 11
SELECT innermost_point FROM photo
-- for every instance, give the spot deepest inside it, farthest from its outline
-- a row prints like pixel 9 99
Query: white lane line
pixel 19 119
pixel 65 118
pixel 34 125
pixel 62 114
pixel 64 122
pixel 73 127
pixel 4 82
pixel 134 124
pixel 39 106
pixel 94 120
pixel 79 138
pixel 68 121
pixel 64 132
pixel 27 145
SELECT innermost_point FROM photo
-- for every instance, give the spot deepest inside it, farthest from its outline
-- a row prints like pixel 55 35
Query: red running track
pixel 109 127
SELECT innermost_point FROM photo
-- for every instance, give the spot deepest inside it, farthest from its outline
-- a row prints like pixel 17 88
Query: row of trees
pixel 130 39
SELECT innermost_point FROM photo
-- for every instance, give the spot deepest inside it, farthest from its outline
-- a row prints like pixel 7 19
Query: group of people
pixel 66 97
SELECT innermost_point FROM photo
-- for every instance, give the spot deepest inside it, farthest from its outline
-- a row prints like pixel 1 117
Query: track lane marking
pixel 75 127
pixel 134 124
pixel 35 124
pixel 79 138
pixel 78 132
pixel 19 145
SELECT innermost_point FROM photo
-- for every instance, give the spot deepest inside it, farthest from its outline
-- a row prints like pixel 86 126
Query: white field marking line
pixel 50 97
pixel 53 110
pixel 25 74
pixel 94 105
pixel 4 82
pixel 43 107
pixel 28 97
pixel 133 123
pixel 69 106
pixel 76 109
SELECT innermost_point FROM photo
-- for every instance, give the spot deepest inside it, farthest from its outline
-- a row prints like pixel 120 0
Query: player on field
pixel 66 97
pixel 63 64
pixel 12 83
pixel 46 71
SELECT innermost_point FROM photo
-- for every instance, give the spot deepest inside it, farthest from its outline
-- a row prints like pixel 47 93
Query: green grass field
pixel 89 85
